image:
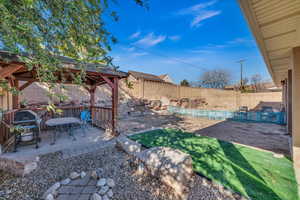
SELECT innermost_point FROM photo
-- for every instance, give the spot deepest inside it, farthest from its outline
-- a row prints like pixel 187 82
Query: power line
pixel 166 56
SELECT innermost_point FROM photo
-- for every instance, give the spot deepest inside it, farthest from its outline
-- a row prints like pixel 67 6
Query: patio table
pixel 60 123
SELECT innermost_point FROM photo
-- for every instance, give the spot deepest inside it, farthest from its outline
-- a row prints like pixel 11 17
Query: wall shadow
pixel 266 136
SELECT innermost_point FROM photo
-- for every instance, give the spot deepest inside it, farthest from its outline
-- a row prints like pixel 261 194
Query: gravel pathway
pixel 115 164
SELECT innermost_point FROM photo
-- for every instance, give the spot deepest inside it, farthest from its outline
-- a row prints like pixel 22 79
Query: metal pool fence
pixel 251 116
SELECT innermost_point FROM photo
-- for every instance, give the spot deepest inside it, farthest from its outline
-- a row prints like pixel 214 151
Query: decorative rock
pixel 66 181
pixel 94 174
pixel 129 146
pixel 50 197
pixel 105 197
pixel 110 193
pixel 110 183
pixel 173 167
pixel 140 169
pixel 103 190
pixel 82 174
pixel 55 194
pixel 101 182
pixel 99 171
pixel 74 175
pixel 96 196
pixel 51 190
pixel 278 155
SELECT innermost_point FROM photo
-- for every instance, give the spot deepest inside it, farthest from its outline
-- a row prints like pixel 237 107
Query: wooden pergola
pixel 13 70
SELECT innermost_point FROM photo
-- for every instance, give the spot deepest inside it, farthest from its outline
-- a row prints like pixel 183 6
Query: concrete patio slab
pixel 26 158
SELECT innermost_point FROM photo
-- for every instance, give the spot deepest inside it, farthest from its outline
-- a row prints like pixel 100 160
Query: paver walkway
pixel 82 186
pixel 79 189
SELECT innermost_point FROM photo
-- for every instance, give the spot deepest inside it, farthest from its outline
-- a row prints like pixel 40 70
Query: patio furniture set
pixel 27 127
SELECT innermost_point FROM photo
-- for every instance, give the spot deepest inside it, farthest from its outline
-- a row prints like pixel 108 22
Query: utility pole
pixel 241 64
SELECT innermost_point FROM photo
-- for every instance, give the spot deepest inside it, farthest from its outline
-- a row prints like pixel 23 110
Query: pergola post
pixel 92 100
pixel 15 98
pixel 114 109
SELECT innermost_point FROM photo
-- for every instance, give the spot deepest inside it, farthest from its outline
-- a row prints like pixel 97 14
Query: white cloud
pixel 135 35
pixel 201 51
pixel 228 44
pixel 238 41
pixel 200 12
pixel 203 16
pixel 138 54
pixel 129 49
pixel 195 8
pixel 150 40
pixel 174 37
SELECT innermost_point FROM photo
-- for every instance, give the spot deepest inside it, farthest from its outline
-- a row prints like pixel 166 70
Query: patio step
pixel 68 153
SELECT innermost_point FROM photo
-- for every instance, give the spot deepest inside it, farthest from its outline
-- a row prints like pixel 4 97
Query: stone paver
pixel 92 182
pixel 90 189
pixel 68 197
pixel 82 187
pixel 70 190
pixel 84 197
pixel 80 182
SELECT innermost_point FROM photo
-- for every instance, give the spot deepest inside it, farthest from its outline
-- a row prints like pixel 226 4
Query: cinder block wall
pixel 216 98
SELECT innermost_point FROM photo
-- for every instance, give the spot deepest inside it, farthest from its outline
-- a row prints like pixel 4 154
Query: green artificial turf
pixel 250 172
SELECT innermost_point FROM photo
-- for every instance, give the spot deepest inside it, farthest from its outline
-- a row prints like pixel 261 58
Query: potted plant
pixel 23 103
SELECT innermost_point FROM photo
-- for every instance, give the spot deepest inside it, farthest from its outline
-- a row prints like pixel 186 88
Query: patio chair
pixel 85 117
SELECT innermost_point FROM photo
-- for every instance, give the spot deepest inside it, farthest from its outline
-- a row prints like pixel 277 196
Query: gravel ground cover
pixel 253 173
pixel 116 164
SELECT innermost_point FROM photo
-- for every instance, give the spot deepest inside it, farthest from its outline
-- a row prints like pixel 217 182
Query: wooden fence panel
pixel 101 117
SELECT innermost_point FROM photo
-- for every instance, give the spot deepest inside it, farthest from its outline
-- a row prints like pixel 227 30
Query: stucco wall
pixel 216 98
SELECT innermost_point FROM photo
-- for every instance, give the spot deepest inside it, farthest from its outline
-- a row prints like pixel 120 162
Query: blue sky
pixel 183 38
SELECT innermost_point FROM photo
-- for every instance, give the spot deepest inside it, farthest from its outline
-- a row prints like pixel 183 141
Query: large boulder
pixel 129 146
pixel 173 167
pixel 165 101
pixel 155 104
pixel 185 103
pixel 174 102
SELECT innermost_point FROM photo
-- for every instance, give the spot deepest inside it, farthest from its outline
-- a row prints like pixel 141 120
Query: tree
pixel 256 81
pixel 48 28
pixel 217 78
pixel 184 82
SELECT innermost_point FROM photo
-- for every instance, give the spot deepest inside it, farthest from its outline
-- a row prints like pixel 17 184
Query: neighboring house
pixel 135 76
pixel 166 78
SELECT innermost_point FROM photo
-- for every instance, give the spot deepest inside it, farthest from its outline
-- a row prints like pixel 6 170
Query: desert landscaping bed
pixel 253 173
pixel 115 164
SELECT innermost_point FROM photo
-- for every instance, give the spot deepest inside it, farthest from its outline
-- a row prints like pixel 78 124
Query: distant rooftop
pixel 141 75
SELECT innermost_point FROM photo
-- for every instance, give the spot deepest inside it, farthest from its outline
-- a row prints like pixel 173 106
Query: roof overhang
pixel 275 25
